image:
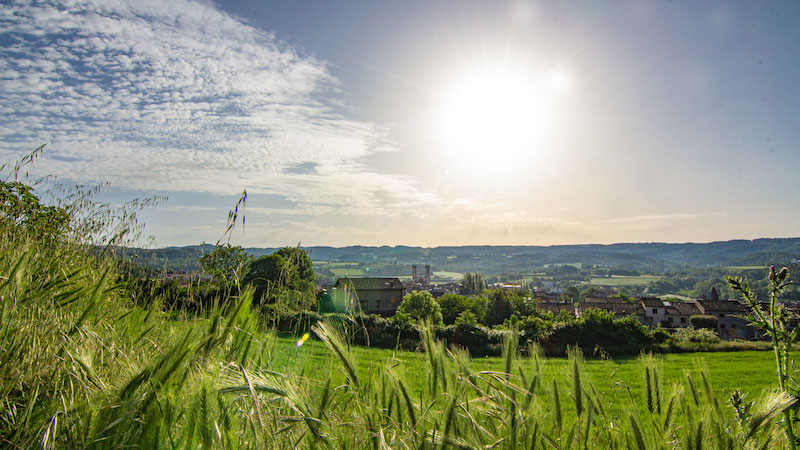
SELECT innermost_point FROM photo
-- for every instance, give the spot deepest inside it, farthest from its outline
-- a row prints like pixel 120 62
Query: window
pixel 733 326
pixel 655 310
pixel 671 319
pixel 683 319
pixel 722 326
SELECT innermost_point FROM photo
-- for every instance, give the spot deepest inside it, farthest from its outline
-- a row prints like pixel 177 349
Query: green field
pixel 641 280
pixel 342 272
pixel 746 268
pixel 448 276
pixel 617 380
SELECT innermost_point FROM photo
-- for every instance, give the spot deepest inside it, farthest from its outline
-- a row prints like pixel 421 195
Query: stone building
pixel 731 318
pixel 654 310
pixel 374 295
pixel 678 314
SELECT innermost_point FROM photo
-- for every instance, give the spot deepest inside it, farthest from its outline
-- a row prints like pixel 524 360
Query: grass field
pixel 347 272
pixel 618 380
pixel 448 276
pixel 615 280
pixel 734 268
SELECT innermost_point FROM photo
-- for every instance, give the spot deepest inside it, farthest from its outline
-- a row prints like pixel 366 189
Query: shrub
pixel 690 334
pixel 377 331
pixel 660 335
pixel 598 328
pixel 477 339
pixel 707 322
pixel 534 328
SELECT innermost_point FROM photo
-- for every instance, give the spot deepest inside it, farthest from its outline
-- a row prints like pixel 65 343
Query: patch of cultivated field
pixel 615 280
pixel 445 275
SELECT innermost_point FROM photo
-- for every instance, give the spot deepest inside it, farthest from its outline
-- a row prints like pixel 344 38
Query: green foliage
pixel 704 321
pixel 466 318
pixel 535 328
pixel 690 334
pixel 775 321
pixel 420 306
pixel 301 269
pixel 22 208
pixel 286 275
pixel 453 305
pixel 660 335
pixel 573 294
pixel 225 263
pixel 499 306
pixel 268 274
pixel 597 328
pixel 472 284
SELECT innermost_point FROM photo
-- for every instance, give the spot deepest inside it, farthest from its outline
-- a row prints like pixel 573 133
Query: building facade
pixel 371 295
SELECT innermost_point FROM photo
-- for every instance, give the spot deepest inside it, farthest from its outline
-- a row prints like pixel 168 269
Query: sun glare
pixel 497 116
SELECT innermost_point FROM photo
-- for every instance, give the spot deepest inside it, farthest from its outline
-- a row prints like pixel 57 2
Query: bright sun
pixel 497 116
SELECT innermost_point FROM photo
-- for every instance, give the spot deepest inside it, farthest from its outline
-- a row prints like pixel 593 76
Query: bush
pixel 477 339
pixel 707 322
pixel 701 335
pixel 597 328
pixel 534 329
pixel 660 335
pixel 377 331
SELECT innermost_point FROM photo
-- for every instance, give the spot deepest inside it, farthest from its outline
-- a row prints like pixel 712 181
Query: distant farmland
pixel 641 280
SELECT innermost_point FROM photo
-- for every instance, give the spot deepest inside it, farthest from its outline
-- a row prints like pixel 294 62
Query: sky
pixel 417 122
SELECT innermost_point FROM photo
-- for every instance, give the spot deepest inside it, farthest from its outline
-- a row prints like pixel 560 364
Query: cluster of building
pixel 731 315
pixel 383 296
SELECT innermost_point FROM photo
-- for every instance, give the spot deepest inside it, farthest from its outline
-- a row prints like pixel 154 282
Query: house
pixel 654 310
pixel 438 290
pixel 374 295
pixel 547 297
pixel 678 314
pixel 620 310
pixel 731 318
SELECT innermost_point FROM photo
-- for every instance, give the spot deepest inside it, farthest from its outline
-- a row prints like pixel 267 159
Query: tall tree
pixel 421 306
pixel 573 293
pixel 472 284
pixel 225 263
pixel 287 274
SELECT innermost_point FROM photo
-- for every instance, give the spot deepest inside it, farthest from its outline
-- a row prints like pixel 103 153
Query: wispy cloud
pixel 660 218
pixel 180 96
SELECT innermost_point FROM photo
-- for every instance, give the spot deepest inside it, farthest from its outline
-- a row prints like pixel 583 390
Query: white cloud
pixel 657 219
pixel 180 96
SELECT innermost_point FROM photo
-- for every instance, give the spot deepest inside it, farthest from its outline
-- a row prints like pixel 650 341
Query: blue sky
pixel 672 121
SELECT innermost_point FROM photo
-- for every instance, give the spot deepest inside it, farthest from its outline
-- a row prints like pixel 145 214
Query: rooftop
pixel 652 302
pixel 370 283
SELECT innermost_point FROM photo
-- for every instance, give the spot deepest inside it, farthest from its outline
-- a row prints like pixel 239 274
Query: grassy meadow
pixel 618 378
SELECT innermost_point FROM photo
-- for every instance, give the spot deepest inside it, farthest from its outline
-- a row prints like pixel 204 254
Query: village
pixel 383 295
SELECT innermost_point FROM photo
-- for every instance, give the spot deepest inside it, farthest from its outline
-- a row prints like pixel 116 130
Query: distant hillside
pixel 648 257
